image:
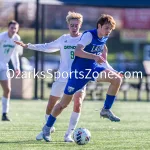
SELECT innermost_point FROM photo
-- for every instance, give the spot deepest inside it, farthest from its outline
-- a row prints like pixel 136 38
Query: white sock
pixel 73 122
pixel 5 104
pixel 46 117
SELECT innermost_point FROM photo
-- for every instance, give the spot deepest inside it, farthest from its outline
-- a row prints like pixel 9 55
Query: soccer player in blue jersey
pixel 87 67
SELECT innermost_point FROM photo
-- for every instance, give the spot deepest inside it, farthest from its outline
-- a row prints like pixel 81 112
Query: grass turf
pixel 132 133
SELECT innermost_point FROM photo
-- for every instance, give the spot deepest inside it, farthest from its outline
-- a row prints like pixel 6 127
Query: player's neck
pixel 10 35
pixel 75 35
pixel 99 34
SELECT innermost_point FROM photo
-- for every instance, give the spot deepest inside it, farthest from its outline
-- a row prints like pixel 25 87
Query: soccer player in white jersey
pixel 66 44
pixel 8 50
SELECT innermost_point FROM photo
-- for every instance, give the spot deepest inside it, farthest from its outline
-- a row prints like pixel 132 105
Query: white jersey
pixel 8 50
pixel 66 45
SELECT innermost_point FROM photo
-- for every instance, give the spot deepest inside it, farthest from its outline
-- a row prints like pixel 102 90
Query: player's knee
pixel 7 90
pixel 79 95
pixel 117 81
pixel 62 106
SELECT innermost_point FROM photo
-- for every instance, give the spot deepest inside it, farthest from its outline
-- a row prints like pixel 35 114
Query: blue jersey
pixel 86 68
pixel 95 47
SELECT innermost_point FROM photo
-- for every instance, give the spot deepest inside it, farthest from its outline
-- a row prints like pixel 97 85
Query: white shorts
pixel 59 87
pixel 4 75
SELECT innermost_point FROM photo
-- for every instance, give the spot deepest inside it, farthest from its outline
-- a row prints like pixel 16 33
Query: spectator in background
pixel 8 50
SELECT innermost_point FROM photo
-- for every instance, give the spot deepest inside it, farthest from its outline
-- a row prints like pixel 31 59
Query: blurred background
pixel 44 21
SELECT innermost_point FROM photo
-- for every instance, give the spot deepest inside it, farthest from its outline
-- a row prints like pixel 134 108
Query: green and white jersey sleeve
pixel 7 48
pixel 47 47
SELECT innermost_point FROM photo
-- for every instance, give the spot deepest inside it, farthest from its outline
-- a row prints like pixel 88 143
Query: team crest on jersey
pixel 70 89
pixel 65 41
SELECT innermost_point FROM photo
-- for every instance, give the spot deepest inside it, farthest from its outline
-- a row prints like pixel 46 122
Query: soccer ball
pixel 81 136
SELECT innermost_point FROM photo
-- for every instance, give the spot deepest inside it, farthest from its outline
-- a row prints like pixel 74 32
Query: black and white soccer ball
pixel 81 136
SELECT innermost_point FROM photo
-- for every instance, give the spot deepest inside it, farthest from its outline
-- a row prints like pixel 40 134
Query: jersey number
pixel 6 51
pixel 72 54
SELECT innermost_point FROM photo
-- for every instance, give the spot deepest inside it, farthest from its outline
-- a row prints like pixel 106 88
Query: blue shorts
pixel 79 79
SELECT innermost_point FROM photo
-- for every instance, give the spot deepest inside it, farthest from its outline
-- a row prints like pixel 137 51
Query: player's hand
pixel 99 59
pixel 17 72
pixel 120 74
pixel 21 44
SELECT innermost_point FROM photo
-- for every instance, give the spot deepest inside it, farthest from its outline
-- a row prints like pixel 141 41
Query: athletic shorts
pixel 4 75
pixel 58 89
pixel 78 81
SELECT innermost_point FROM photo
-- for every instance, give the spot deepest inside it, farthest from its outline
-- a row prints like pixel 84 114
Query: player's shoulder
pixel 93 31
pixel 63 37
pixel 87 34
pixel 3 34
pixel 66 36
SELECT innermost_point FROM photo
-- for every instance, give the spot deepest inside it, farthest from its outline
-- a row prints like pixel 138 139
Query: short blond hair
pixel 74 15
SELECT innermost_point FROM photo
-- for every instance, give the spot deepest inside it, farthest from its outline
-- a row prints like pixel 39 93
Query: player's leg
pixel 58 108
pixel 56 93
pixel 78 99
pixel 72 86
pixel 51 103
pixel 6 86
pixel 115 82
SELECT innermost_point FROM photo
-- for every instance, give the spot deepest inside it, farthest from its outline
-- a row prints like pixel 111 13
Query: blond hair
pixel 74 15
pixel 104 19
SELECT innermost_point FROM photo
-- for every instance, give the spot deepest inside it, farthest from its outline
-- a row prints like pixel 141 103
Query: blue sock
pixel 109 101
pixel 51 120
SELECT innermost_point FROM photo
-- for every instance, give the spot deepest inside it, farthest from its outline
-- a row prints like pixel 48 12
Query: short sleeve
pixel 86 39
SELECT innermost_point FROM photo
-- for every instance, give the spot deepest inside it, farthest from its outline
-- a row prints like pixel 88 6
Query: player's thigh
pixel 74 84
pixel 107 76
pixel 5 80
pixel 4 75
pixel 57 89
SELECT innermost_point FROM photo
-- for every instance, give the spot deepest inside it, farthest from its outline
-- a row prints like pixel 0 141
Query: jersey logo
pixel 97 48
pixel 70 89
pixel 69 47
pixel 65 41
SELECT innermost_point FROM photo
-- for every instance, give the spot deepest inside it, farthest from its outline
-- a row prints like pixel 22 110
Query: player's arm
pixel 104 55
pixel 79 51
pixel 47 47
pixel 15 61
pixel 106 64
pixel 105 52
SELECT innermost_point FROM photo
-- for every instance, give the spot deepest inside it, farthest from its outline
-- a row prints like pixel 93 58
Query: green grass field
pixel 132 133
